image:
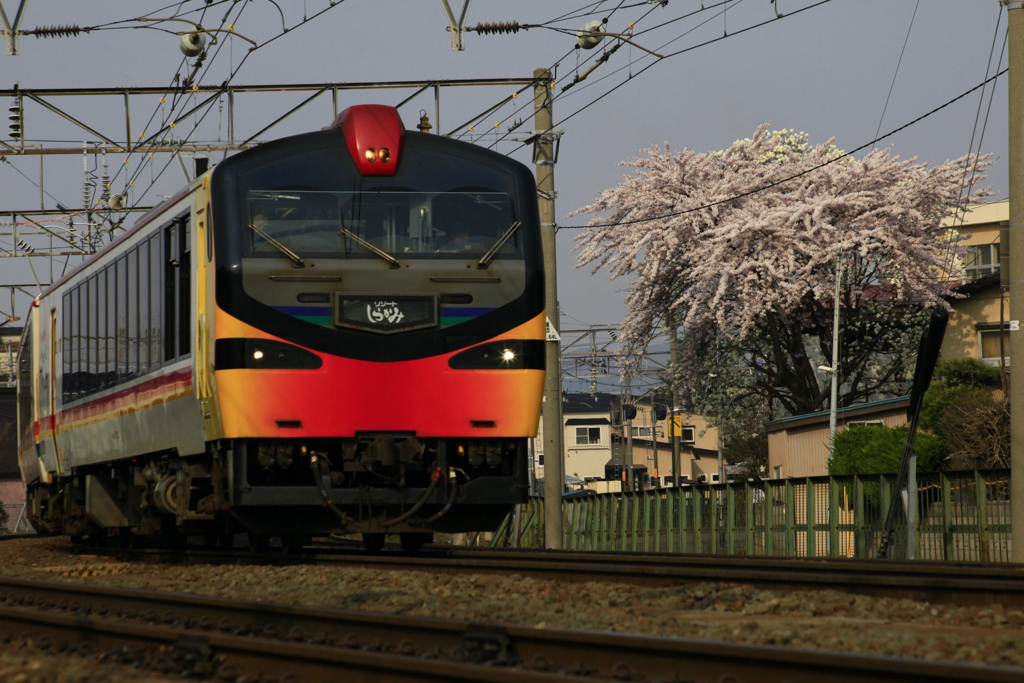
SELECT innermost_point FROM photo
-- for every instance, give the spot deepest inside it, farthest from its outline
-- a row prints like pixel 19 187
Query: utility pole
pixel 544 158
pixel 1015 16
pixel 673 357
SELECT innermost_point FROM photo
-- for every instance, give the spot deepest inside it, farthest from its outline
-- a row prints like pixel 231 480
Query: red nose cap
pixel 374 134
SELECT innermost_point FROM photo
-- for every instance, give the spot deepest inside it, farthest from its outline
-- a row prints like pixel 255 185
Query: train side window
pixel 132 313
pixel 77 342
pixel 156 272
pixel 170 282
pixel 92 379
pixel 106 303
pixel 120 286
pixel 65 344
pixel 184 286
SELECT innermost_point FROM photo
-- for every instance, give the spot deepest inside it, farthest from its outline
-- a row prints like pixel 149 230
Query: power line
pixel 776 183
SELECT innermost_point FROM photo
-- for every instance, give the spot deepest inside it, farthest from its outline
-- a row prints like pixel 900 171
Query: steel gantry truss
pixel 57 233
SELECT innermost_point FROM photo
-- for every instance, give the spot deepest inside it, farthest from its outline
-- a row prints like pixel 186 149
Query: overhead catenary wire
pixel 775 183
pixel 599 57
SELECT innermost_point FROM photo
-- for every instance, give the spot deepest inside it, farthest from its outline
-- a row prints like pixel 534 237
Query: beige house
pixel 600 446
pixel 698 445
pixel 798 446
pixel 978 325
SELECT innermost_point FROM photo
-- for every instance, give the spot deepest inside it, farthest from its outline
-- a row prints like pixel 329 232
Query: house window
pixel 687 434
pixel 642 432
pixel 981 260
pixel 988 345
pixel 588 436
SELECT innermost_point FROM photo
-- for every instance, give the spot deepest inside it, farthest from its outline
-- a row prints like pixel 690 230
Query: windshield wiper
pixel 392 261
pixel 486 259
pixel 296 259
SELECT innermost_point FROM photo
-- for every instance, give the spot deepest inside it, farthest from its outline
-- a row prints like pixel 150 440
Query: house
pixel 979 325
pixel 652 445
pixel 587 437
pixel 10 342
pixel 602 444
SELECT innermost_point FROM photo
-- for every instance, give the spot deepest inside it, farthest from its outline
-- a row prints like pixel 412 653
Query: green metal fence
pixel 960 516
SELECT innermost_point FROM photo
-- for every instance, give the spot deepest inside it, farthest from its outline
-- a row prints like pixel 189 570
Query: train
pixel 337 332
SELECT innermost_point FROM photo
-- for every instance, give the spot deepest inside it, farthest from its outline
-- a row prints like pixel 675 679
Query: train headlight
pixel 509 354
pixel 264 354
pixel 384 155
pixel 371 154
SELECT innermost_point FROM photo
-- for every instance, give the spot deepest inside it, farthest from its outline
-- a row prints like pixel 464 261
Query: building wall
pixel 12 491
pixel 982 305
pixel 801 449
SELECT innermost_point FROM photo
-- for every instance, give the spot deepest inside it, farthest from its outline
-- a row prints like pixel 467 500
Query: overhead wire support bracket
pixel 552 137
pixel 456 27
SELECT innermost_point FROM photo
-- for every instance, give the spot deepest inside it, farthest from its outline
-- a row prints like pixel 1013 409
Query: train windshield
pixel 397 223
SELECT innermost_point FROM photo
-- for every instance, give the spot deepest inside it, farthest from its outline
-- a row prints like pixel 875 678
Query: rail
pixel 961 516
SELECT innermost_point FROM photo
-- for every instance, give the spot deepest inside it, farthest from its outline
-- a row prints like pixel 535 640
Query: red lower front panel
pixel 345 396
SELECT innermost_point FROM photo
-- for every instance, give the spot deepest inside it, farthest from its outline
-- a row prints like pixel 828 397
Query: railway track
pixel 933 582
pixel 227 640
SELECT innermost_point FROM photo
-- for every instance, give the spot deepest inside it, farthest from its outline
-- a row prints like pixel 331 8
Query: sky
pixel 852 70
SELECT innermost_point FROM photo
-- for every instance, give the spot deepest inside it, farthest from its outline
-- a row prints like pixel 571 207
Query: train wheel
pixel 413 542
pixel 258 543
pixel 373 542
pixel 292 544
pixel 219 541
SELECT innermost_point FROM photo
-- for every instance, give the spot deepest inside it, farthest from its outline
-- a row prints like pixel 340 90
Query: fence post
pixel 651 527
pixel 790 520
pixel 670 520
pixel 749 526
pixel 981 496
pixel 713 513
pixel 769 515
pixel 861 544
pixel 947 517
pixel 634 545
pixel 684 519
pixel 730 518
pixel 812 520
pixel 698 531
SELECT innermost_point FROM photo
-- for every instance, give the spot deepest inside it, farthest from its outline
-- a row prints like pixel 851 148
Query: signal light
pixel 372 155
pixel 14 116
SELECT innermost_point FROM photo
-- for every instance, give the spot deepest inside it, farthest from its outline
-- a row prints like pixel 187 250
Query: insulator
pixel 14 116
pixel 497 27
pixel 55 31
pixel 424 124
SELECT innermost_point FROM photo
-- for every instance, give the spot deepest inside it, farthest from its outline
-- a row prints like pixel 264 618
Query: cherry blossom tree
pixel 738 249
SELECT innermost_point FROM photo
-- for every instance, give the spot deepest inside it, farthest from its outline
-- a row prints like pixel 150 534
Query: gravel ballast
pixel 819 619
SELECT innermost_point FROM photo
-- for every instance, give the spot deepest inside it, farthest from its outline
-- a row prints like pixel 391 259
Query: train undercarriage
pixel 289 490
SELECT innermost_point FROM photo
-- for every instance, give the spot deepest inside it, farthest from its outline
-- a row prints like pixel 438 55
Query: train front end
pixel 377 334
